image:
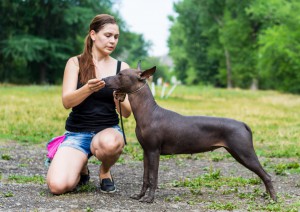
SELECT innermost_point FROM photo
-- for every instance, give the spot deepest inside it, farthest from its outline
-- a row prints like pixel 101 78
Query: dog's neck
pixel 142 105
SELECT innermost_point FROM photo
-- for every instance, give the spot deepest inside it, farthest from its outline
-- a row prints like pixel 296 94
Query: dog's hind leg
pixel 243 152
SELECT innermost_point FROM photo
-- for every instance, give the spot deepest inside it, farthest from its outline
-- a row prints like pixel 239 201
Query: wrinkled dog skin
pixel 164 132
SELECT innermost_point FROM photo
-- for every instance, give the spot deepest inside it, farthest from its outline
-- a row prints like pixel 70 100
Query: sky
pixel 150 18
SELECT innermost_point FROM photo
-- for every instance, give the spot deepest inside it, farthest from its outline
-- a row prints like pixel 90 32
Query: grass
pixel 214 180
pixel 37 179
pixel 31 114
pixel 7 194
pixel 222 206
pixel 34 114
pixel 86 188
pixel 285 168
pixel 5 157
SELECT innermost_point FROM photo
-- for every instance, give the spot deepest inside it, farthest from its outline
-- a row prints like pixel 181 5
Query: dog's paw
pixel 147 199
pixel 136 196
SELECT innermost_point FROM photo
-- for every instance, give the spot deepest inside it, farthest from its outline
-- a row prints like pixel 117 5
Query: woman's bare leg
pixel 65 169
pixel 107 146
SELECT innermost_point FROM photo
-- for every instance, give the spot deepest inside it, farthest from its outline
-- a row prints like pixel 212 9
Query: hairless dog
pixel 164 132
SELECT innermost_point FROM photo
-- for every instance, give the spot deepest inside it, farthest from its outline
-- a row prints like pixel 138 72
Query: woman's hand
pixel 122 97
pixel 95 84
pixel 119 96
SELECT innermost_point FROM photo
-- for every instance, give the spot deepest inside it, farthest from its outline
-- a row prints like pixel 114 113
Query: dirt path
pixel 22 160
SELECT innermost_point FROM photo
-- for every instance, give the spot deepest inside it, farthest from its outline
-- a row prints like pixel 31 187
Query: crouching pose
pixel 92 126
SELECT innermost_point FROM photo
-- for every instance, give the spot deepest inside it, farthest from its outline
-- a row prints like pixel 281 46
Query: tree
pixel 207 29
pixel 279 41
pixel 176 44
pixel 189 46
pixel 37 37
pixel 134 47
pixel 225 43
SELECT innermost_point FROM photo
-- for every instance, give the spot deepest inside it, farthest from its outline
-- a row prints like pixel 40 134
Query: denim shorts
pixel 82 140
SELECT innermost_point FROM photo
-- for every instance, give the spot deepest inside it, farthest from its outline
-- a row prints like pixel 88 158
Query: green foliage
pixel 224 43
pixel 162 71
pixel 176 42
pixel 37 37
pixel 133 47
pixel 27 47
pixel 278 56
pixel 188 45
pixel 210 32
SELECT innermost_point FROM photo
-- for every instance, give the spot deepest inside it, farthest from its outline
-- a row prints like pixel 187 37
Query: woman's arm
pixel 71 96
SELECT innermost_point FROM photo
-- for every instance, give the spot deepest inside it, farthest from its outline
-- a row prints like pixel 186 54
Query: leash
pixel 124 137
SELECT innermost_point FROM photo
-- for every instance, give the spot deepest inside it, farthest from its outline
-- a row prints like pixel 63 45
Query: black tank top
pixel 95 113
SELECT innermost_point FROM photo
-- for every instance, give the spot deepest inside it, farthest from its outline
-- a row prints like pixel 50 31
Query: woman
pixel 92 126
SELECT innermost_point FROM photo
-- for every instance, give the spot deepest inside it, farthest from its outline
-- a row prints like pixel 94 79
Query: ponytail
pixel 86 64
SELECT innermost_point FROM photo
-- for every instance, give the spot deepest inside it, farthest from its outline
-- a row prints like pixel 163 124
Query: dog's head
pixel 129 80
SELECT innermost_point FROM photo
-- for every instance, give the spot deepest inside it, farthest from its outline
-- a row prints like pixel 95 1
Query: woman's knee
pixel 58 186
pixel 111 148
pixel 109 144
pixel 64 171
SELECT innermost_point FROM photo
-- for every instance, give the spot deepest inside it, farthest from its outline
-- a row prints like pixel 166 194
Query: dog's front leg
pixel 152 165
pixel 145 180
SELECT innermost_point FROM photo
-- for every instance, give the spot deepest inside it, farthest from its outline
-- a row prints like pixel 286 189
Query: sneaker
pixel 107 185
pixel 84 178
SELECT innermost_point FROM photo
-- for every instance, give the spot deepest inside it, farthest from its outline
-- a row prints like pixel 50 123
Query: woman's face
pixel 106 39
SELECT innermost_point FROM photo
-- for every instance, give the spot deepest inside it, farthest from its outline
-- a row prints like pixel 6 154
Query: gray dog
pixel 164 132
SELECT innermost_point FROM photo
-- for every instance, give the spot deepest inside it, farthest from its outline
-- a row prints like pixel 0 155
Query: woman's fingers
pixel 119 96
pixel 96 84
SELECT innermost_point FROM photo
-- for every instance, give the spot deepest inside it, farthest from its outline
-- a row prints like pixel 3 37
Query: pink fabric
pixel 53 145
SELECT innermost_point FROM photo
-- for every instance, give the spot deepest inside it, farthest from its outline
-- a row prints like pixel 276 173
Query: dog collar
pixel 132 92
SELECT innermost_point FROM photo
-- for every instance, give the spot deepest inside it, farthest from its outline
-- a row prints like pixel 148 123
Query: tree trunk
pixel 254 85
pixel 43 73
pixel 228 68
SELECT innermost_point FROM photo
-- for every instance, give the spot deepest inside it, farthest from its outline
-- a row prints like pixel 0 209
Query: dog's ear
pixel 139 65
pixel 147 73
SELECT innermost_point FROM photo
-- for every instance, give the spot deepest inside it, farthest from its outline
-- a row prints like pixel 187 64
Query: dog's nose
pixel 106 81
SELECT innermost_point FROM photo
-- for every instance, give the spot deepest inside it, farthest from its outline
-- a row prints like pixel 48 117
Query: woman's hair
pixel 86 64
